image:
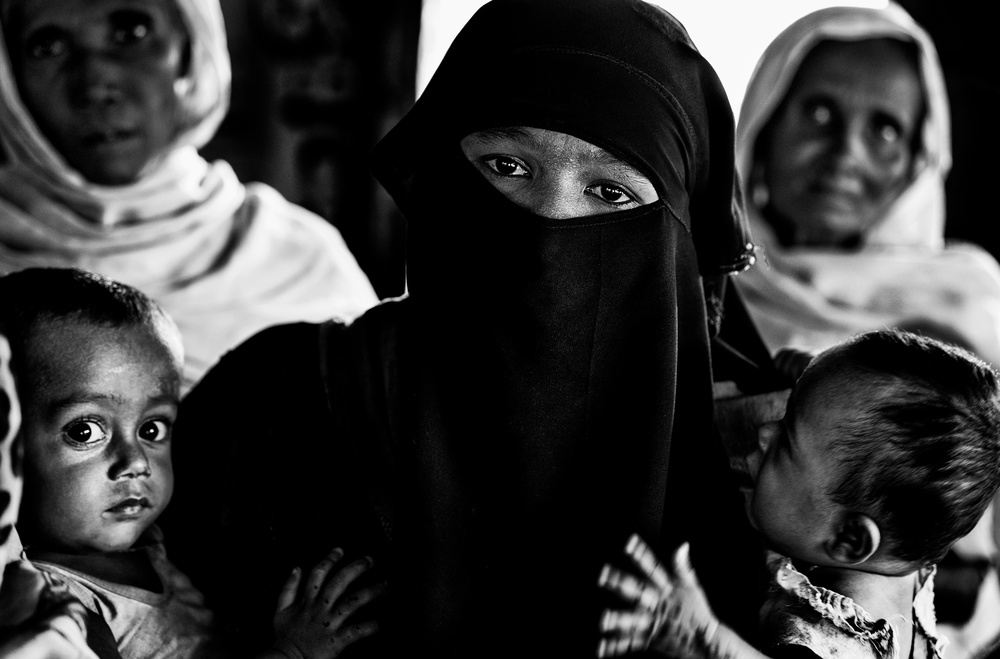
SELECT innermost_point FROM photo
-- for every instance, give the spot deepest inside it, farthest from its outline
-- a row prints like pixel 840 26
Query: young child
pixel 98 369
pixel 888 453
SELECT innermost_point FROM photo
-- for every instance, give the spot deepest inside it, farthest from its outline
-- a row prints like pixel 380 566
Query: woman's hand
pixel 311 620
pixel 669 611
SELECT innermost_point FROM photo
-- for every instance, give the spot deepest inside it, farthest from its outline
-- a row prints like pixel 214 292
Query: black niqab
pixel 560 369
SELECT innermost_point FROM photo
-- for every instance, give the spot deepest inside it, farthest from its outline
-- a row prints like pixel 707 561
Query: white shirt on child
pixel 172 624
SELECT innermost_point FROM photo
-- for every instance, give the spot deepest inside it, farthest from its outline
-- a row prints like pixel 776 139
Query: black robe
pixel 543 392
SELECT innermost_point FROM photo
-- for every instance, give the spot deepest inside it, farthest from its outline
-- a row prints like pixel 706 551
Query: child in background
pixel 888 453
pixel 98 369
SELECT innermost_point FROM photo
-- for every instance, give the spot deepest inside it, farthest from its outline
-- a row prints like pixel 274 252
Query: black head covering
pixel 624 76
pixel 560 368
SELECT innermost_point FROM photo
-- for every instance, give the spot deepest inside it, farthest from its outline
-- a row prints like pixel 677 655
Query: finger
pixel 621 583
pixel 628 623
pixel 355 601
pixel 319 573
pixel 647 561
pixel 682 566
pixel 630 588
pixel 610 647
pixel 289 590
pixel 338 582
pixel 357 632
pixel 615 647
pixel 622 645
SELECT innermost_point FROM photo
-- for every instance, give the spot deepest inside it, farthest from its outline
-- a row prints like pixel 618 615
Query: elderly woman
pixel 103 105
pixel 843 143
pixel 544 390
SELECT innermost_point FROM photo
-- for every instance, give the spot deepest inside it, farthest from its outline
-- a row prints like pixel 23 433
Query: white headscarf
pixel 206 101
pixel 811 297
pixel 224 259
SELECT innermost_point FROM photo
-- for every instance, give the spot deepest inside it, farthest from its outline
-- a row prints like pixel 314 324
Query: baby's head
pixel 888 453
pixel 97 368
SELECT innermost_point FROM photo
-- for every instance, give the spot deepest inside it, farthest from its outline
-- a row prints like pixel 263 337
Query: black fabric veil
pixel 559 369
pixel 544 391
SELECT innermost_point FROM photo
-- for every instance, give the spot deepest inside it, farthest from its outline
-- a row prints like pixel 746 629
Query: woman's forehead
pixel 19 12
pixel 874 55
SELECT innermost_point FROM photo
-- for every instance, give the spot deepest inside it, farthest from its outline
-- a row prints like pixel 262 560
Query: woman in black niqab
pixel 545 389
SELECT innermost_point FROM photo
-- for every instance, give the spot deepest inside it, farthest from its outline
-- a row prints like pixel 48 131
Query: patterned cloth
pixel 798 613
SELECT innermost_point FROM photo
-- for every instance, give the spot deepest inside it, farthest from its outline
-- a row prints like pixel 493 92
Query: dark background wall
pixel 316 83
pixel 967 48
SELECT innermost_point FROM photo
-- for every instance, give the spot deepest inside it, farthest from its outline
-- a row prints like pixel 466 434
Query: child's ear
pixel 855 538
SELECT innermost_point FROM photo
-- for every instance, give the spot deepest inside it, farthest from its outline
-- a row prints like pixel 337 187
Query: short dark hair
pixel 922 454
pixel 34 296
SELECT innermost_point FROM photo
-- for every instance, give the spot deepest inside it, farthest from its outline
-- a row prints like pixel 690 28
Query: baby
pixel 97 366
pixel 888 453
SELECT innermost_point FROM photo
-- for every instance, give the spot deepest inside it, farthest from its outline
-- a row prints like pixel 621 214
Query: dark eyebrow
pixel 626 170
pixel 492 135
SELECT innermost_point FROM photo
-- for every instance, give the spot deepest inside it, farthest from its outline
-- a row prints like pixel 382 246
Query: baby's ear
pixel 855 539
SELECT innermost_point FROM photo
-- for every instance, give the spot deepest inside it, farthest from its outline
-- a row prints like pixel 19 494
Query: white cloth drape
pixel 224 259
pixel 903 273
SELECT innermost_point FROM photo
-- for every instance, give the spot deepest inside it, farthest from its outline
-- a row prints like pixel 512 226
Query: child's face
pixel 98 405
pixel 98 76
pixel 788 504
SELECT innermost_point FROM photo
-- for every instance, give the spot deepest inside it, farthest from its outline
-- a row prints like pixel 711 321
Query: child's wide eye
pixel 153 431
pixel 84 432
pixel 129 27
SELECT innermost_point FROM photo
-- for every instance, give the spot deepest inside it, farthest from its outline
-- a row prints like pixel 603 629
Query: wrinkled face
pixel 840 149
pixel 99 404
pixel 10 449
pixel 556 175
pixel 98 77
pixel 792 470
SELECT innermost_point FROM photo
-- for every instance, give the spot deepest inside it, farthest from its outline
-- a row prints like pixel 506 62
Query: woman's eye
pixel 887 133
pixel 819 114
pixel 129 27
pixel 153 431
pixel 45 43
pixel 507 166
pixel 610 193
pixel 84 432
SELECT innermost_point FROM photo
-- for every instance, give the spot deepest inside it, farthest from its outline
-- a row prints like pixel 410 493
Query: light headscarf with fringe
pixel 902 274
pixel 224 259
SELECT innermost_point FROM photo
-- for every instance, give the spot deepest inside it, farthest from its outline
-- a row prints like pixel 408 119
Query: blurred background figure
pixel 102 111
pixel 315 84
